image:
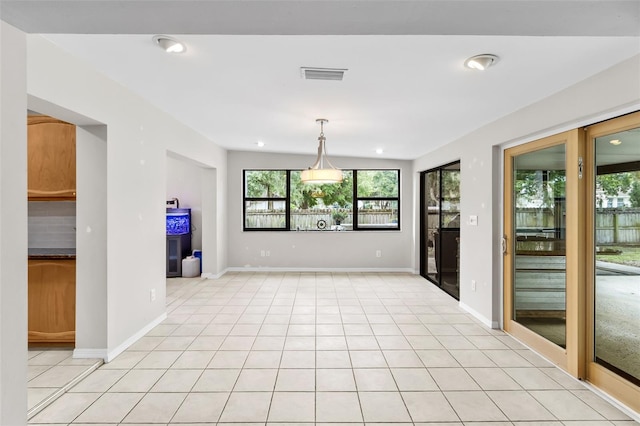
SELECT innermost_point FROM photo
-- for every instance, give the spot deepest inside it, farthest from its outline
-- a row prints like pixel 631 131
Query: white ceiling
pixel 406 90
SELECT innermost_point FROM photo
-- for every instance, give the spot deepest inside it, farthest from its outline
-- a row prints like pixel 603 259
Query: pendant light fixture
pixel 322 170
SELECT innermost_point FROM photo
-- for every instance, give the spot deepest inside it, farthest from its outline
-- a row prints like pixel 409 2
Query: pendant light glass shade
pixel 322 171
pixel 321 176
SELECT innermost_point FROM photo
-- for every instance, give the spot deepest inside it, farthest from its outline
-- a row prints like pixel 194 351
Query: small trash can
pixel 198 254
pixel 190 267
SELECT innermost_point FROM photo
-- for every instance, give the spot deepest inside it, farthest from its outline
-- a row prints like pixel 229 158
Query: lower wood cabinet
pixel 52 300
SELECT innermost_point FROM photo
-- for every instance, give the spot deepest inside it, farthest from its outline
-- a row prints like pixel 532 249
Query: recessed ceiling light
pixel 615 142
pixel 481 62
pixel 169 44
pixel 260 144
pixel 379 151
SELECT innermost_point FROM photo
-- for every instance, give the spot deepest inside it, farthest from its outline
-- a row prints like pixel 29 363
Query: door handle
pixel 503 244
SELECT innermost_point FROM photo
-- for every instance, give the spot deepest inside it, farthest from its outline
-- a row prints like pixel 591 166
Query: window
pixel 277 200
pixel 321 207
pixel 377 199
pixel 265 199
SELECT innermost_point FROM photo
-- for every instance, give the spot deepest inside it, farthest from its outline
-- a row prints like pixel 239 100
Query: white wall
pixel 139 137
pixel 214 223
pixel 13 227
pixel 184 182
pixel 612 92
pixel 317 250
pixel 91 242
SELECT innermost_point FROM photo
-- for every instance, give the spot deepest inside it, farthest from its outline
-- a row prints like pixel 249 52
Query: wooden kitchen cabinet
pixel 51 152
pixel 52 300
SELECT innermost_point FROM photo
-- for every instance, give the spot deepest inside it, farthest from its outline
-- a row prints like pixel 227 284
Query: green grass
pixel 630 255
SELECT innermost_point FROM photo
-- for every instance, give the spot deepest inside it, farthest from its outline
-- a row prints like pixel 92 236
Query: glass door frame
pixel 424 227
pixel 570 359
pixel 597 374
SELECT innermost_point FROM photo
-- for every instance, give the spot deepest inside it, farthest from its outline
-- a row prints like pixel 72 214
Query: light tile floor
pixel 291 348
pixel 50 372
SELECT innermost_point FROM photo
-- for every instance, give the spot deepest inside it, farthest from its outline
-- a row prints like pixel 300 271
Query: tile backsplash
pixel 52 224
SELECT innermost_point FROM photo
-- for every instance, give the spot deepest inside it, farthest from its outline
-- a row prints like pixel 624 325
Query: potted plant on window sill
pixel 338 216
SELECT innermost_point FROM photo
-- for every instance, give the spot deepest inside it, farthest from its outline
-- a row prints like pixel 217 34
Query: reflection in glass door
pixel 539 209
pixel 431 218
pixel 617 253
pixel 543 216
pixel 440 239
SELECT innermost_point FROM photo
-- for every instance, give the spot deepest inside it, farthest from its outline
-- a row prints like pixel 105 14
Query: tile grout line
pixel 57 394
pixel 353 373
pixel 385 290
pixel 275 383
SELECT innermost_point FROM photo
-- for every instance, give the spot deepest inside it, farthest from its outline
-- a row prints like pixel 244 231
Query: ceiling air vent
pixel 322 73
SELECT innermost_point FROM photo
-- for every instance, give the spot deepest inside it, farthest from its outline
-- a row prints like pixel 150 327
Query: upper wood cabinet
pixel 51 152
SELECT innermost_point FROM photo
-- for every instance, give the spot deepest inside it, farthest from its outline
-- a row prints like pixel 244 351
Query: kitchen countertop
pixel 52 253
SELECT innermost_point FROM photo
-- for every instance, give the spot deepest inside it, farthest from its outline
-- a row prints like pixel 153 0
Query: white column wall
pixel 91 242
pixel 311 250
pixel 214 229
pixel 13 227
pixel 139 136
pixel 610 93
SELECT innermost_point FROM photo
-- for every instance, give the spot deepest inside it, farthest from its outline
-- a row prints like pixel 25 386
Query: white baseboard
pixel 131 340
pixel 80 353
pixel 212 276
pixel 284 269
pixel 486 321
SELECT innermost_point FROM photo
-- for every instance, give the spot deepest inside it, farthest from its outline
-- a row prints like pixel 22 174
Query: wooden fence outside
pixel 613 226
pixel 308 219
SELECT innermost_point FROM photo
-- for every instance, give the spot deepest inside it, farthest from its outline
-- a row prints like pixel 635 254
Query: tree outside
pixel 619 185
pixel 266 184
pixel 634 194
pixel 539 188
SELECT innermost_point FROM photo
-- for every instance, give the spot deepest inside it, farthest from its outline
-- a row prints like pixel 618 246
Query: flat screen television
pixel 178 221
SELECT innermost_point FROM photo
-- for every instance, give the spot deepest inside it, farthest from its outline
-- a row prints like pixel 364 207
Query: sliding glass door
pixel 541 260
pixel 572 252
pixel 440 236
pixel 540 270
pixel 614 258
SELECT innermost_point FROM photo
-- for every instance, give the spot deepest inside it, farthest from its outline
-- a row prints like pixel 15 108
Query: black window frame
pixel 356 225
pixel 287 200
